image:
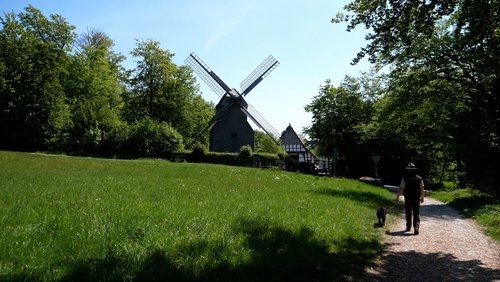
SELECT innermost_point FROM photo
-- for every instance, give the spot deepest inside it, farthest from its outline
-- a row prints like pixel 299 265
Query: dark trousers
pixel 412 206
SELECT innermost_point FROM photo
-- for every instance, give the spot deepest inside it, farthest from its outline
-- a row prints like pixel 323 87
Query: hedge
pixel 244 158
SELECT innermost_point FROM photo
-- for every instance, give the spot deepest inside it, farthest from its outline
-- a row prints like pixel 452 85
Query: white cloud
pixel 228 24
pixel 222 30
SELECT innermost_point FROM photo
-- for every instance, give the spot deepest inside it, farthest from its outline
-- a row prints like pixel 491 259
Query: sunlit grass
pixel 99 219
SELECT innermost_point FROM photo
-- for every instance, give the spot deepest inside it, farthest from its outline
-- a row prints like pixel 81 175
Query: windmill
pixel 229 128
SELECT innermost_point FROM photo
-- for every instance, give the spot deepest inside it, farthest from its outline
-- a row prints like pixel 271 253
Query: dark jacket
pixel 412 187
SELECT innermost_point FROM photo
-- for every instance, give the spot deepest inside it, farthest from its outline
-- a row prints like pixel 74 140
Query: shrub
pixel 222 158
pixel 115 140
pixel 198 155
pixel 245 157
pixel 149 138
pixel 270 160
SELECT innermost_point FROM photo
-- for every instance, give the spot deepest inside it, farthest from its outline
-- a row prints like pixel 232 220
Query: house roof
pixel 289 136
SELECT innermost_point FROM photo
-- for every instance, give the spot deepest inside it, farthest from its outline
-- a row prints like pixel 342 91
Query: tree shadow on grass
pixel 367 199
pixel 414 266
pixel 274 253
pixel 282 254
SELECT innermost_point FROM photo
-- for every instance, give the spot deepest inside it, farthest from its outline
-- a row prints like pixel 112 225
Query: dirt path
pixel 448 248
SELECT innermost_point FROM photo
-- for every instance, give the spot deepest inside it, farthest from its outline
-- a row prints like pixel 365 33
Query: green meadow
pixel 88 219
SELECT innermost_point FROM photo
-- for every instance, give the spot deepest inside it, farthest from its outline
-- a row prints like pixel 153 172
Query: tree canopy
pixel 34 58
pixel 339 117
pixel 442 95
pixel 63 91
pixel 165 92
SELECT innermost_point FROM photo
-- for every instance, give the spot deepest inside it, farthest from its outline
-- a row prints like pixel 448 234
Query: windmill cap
pixel 411 166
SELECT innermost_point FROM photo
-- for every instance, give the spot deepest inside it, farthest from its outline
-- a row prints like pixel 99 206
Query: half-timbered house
pixel 298 151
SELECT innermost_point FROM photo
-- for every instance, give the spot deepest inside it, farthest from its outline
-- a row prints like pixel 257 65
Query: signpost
pixel 375 160
pixel 335 157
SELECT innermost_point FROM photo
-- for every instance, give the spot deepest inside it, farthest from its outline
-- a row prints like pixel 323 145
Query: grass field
pixel 68 218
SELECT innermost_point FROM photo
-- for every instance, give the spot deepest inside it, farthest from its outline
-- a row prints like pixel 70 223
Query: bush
pixel 115 140
pixel 270 160
pixel 294 165
pixel 198 155
pixel 245 157
pixel 223 158
pixel 149 138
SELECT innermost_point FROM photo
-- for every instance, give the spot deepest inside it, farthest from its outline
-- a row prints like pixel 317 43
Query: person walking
pixel 412 187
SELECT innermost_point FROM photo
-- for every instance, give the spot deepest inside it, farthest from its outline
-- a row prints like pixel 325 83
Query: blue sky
pixel 232 38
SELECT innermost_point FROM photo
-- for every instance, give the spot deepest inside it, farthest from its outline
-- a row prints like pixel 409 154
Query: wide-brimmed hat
pixel 411 166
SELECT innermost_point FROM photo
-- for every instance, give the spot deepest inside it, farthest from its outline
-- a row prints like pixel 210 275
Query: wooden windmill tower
pixel 229 128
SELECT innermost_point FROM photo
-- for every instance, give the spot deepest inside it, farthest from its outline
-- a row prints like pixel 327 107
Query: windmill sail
pixel 225 133
pixel 205 73
pixel 252 113
pixel 263 70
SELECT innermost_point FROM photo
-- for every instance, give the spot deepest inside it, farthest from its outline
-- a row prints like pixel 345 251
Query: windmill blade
pixel 207 75
pixel 210 124
pixel 263 70
pixel 252 113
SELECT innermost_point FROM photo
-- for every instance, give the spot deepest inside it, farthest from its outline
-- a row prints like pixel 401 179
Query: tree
pixel 193 112
pixel 152 82
pixel 149 138
pixel 420 129
pixel 265 144
pixel 54 97
pixel 198 113
pixel 94 92
pixel 165 92
pixel 442 43
pixel 33 61
pixel 337 116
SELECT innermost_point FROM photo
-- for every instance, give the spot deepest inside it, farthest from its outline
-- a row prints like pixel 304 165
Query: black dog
pixel 381 213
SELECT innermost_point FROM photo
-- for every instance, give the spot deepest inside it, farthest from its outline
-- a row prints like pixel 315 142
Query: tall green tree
pixel 94 88
pixel 152 83
pixel 165 92
pixel 442 45
pixel 193 112
pixel 33 62
pixel 338 114
pixel 420 129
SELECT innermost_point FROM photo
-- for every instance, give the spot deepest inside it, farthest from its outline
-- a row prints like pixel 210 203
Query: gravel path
pixel 448 248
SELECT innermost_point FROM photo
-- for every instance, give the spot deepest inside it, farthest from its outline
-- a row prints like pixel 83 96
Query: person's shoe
pixel 416 231
pixel 408 229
